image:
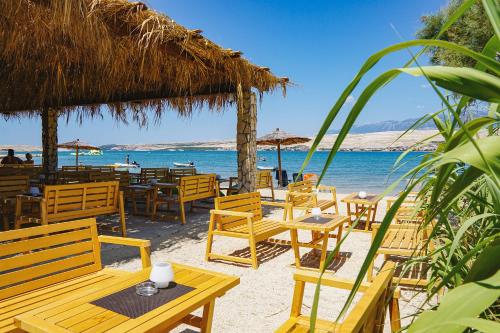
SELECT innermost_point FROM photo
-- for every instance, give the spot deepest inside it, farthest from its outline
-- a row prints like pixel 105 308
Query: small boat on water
pixel 125 165
pixel 265 167
pixel 184 165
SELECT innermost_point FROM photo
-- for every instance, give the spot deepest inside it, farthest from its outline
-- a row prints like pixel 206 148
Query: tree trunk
pixel 246 140
pixel 49 142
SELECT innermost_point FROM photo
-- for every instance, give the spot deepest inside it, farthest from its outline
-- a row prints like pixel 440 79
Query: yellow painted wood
pixel 264 180
pixel 367 315
pixel 240 216
pixel 75 201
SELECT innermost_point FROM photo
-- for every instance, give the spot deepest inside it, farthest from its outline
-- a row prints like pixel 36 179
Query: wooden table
pixel 75 313
pixel 366 206
pixel 320 233
pixel 150 191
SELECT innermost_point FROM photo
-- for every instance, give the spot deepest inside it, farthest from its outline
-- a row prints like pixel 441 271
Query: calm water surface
pixel 350 171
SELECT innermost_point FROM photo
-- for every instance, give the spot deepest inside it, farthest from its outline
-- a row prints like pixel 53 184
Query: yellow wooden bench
pixel 67 202
pixel 367 316
pixel 304 196
pixel 175 174
pixel 40 265
pixel 404 240
pixel 10 187
pixel 240 216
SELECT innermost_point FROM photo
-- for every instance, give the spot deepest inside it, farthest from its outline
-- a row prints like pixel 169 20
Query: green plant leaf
pixel 466 81
pixel 491 8
pixel 466 301
pixel 486 264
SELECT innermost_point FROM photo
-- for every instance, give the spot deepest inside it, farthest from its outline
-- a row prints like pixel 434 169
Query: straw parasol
pixel 77 145
pixel 280 138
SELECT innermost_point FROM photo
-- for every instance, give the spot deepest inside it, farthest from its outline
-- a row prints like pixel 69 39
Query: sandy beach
pixel 262 300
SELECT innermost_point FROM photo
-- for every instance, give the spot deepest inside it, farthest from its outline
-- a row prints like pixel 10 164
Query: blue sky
pixel 319 45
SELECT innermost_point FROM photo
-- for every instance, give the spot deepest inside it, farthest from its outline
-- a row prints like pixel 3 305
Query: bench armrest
pixel 231 213
pixel 143 245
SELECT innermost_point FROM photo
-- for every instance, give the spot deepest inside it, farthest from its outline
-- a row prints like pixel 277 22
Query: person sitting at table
pixel 10 158
pixel 29 159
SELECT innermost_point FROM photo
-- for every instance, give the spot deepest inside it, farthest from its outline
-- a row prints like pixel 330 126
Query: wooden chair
pixel 161 174
pixel 175 174
pixel 75 177
pixel 302 195
pixel 122 177
pixel 40 265
pixel 410 210
pixel 67 202
pixel 10 187
pixel 240 216
pixel 367 316
pixel 190 189
pixel 264 180
pixel 403 240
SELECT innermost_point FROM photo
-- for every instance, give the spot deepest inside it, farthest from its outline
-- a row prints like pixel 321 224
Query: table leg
pixel 295 245
pixel 368 218
pixel 339 237
pixel 374 212
pixel 349 213
pixel 324 250
pixel 208 314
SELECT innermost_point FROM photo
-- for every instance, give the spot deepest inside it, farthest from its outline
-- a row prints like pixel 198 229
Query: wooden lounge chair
pixel 403 240
pixel 67 202
pixel 302 195
pixel 10 187
pixel 367 316
pixel 240 216
pixel 40 265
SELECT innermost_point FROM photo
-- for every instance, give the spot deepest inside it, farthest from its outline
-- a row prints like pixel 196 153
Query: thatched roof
pixel 281 137
pixel 78 144
pixel 80 54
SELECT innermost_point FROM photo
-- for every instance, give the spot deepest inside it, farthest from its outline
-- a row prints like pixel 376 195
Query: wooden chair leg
pixel 183 213
pixel 394 315
pixel 210 238
pixel 253 252
pixel 122 215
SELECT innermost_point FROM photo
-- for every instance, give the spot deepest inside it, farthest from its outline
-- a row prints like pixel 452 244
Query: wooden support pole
pixel 49 142
pixel 246 140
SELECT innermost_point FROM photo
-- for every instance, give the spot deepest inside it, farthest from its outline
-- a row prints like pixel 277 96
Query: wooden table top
pixel 299 223
pixel 371 199
pixel 75 313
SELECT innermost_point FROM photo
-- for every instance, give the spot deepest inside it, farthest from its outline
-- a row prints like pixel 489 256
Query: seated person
pixel 10 158
pixel 29 159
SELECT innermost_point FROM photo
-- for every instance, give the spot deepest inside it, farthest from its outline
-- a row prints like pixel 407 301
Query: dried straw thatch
pixel 77 55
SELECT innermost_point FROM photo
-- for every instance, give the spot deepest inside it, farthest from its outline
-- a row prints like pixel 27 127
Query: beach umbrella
pixel 77 145
pixel 280 138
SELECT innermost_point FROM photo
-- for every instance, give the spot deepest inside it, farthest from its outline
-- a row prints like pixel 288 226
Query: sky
pixel 320 45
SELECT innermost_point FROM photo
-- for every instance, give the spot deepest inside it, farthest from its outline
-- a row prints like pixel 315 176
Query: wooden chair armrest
pixel 328 280
pixel 326 187
pixel 230 213
pixel 304 194
pixel 276 204
pixel 144 246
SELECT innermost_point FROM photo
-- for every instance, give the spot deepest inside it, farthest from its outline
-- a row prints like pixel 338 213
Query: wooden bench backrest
pixel 153 173
pixel 32 172
pixel 368 315
pixel 245 202
pixel 10 186
pixel 305 187
pixel 75 177
pixel 198 187
pixel 37 257
pixel 65 202
pixel 176 173
pixel 123 177
pixel 263 179
pixel 102 168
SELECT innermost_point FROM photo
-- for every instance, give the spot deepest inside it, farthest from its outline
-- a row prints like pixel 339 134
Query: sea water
pixel 349 171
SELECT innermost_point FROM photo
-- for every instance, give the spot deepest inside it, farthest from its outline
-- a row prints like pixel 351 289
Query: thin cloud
pixel 425 86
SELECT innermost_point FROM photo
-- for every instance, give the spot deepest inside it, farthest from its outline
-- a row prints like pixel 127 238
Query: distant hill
pixel 385 126
pixel 403 125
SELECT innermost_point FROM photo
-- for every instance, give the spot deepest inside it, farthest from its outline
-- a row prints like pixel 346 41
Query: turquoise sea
pixel 350 171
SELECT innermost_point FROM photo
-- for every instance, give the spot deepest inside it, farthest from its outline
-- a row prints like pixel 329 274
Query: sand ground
pixel 261 302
